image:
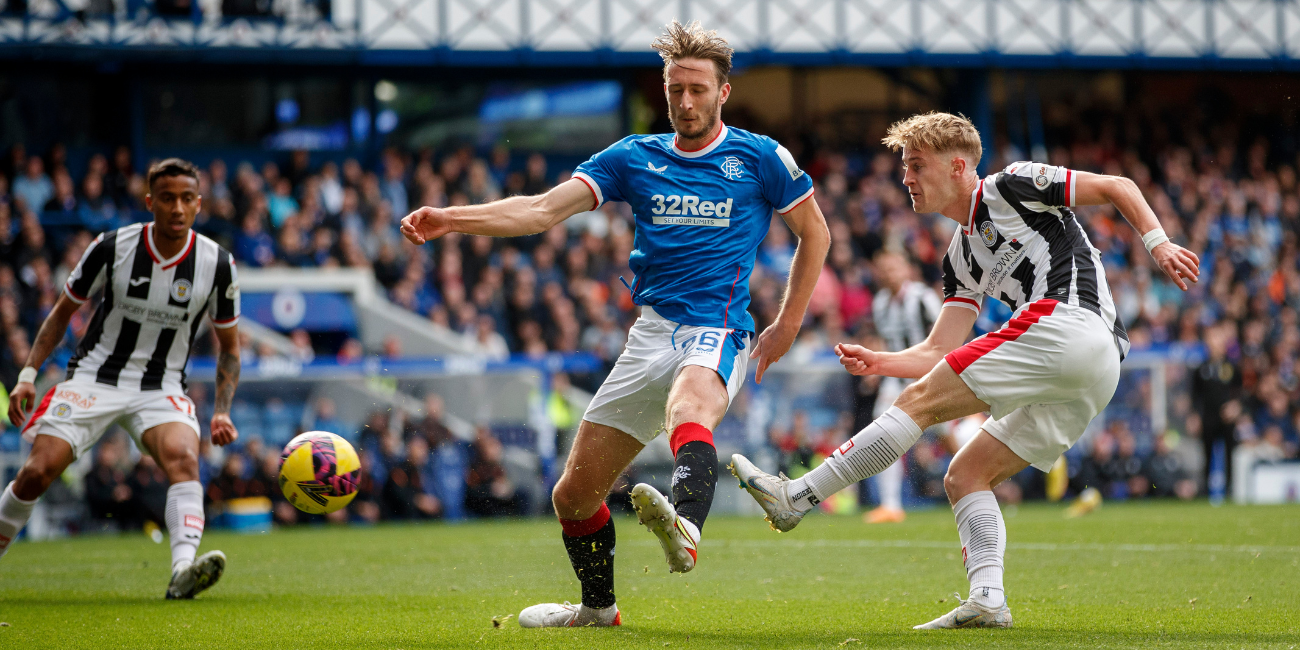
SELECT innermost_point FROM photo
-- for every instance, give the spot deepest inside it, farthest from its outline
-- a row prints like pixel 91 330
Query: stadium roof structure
pixel 1188 34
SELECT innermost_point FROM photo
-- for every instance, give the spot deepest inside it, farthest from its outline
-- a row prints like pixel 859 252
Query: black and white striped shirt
pixel 905 320
pixel 140 336
pixel 1022 244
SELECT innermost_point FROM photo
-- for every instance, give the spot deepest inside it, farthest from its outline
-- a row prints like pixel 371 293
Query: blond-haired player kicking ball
pixel 1050 370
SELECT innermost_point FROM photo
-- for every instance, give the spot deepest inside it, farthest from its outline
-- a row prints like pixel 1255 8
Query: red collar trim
pixel 722 129
pixel 157 257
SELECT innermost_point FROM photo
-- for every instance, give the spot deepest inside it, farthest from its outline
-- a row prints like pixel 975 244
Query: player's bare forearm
pixel 949 333
pixel 1099 189
pixel 512 217
pixel 52 331
pixel 1178 263
pixel 228 366
pixel 808 224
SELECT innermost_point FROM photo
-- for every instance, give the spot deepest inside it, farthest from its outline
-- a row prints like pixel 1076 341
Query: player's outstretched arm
pixel 223 429
pixel 948 334
pixel 512 217
pixel 23 396
pixel 808 224
pixel 1177 262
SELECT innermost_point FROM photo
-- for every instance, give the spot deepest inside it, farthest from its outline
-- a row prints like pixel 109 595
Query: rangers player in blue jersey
pixel 702 198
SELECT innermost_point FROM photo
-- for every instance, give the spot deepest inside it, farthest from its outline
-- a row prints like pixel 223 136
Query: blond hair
pixel 936 132
pixel 692 41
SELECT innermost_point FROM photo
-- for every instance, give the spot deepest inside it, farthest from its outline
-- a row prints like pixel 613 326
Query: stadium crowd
pixel 1226 190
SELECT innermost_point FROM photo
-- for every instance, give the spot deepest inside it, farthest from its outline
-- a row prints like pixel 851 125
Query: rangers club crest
pixel 732 168
pixel 988 234
pixel 181 290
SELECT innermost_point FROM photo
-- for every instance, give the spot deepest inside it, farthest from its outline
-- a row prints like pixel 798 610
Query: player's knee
pixel 180 462
pixel 915 400
pixel 958 482
pixel 570 503
pixel 35 478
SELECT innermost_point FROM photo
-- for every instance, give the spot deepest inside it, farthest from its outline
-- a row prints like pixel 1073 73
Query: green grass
pixel 1151 575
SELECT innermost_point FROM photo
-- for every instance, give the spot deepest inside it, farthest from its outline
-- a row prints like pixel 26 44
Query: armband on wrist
pixel 1154 238
pixel 27 375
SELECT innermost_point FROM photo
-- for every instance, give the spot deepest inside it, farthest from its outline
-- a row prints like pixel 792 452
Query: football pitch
pixel 1144 575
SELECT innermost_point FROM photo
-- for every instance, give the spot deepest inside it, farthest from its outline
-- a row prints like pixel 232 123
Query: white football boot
pixel 771 492
pixel 567 615
pixel 190 580
pixel 678 537
pixel 969 614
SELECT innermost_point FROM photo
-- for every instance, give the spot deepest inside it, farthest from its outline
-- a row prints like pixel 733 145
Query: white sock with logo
pixel 14 513
pixel 868 453
pixel 185 521
pixel 890 484
pixel 983 543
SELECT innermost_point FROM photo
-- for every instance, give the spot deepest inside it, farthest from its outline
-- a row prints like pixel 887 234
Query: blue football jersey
pixel 700 217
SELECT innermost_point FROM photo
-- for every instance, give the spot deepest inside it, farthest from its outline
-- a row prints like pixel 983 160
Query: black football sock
pixel 694 472
pixel 590 544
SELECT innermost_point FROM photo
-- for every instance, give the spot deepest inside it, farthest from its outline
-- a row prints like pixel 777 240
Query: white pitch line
pixel 1029 546
pixel 952 546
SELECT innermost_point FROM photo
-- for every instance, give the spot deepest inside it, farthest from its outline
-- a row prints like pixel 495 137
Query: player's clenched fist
pixel 223 430
pixel 857 359
pixel 426 224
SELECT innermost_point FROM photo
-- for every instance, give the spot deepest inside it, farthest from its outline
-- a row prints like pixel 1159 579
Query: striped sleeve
pixel 94 262
pixel 1037 182
pixel 225 292
pixel 955 292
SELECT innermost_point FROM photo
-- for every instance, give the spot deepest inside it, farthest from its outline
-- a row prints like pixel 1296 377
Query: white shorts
pixel 635 394
pixel 1045 375
pixel 79 413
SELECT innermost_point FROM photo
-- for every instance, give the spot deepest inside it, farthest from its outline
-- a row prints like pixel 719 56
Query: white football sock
pixel 869 452
pixel 890 484
pixel 185 520
pixel 14 513
pixel 983 543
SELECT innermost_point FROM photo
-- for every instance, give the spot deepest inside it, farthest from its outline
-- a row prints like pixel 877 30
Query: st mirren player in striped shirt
pixel 160 281
pixel 1044 376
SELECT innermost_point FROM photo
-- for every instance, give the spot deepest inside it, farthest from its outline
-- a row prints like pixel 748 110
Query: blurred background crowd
pixel 1222 181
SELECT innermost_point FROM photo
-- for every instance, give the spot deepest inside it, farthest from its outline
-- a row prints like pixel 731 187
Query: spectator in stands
pixel 302 346
pixel 324 417
pixel 253 244
pixel 122 178
pixel 64 197
pixel 1215 389
pixel 431 426
pixel 108 494
pixel 365 505
pixel 95 210
pixel 33 189
pixel 488 492
pixel 405 496
pixel 148 484
pixel 281 204
pixel 230 483
pixel 1166 471
pixel 486 341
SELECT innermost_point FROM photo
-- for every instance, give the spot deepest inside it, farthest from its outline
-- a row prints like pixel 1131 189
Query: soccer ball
pixel 319 472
